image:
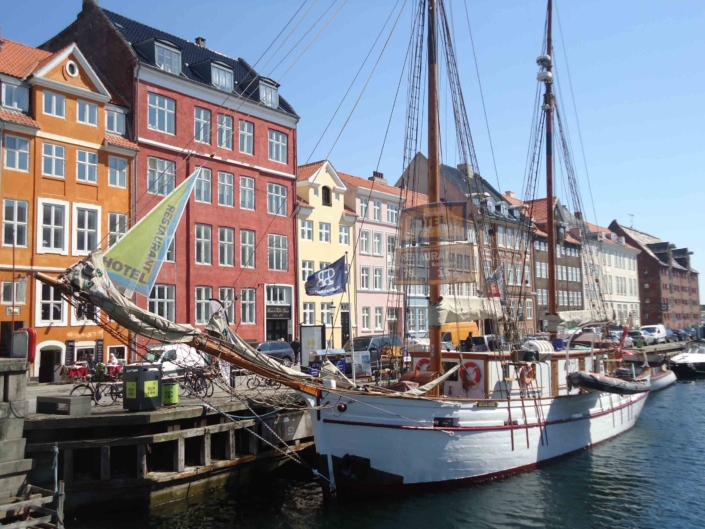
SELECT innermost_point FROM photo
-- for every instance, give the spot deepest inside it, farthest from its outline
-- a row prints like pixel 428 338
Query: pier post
pixel 180 455
pixel 141 461
pixel 68 466
pixel 230 448
pixel 205 455
pixel 104 463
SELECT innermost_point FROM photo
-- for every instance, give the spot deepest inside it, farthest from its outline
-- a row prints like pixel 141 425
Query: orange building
pixel 65 183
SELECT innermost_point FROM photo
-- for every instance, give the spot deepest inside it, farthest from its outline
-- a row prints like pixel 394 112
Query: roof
pixel 19 60
pixel 539 208
pixel 191 54
pixel 568 237
pixel 306 171
pixel 412 197
pixel 649 244
pixel 17 117
pixel 514 201
pixel 119 141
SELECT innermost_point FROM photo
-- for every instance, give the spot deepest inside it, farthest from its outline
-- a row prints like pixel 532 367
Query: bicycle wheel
pixel 102 395
pixel 253 382
pixel 210 387
pixel 199 386
pixel 82 390
pixel 115 392
pixel 274 384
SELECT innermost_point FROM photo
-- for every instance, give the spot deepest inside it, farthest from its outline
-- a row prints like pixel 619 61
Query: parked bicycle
pixel 196 382
pixel 256 381
pixel 101 393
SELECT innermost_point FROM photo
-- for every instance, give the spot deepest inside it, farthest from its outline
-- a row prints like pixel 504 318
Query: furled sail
pixel 456 310
pixel 133 263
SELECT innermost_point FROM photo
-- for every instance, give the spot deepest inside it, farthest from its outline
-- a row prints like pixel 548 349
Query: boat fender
pixel 470 373
pixel 422 365
pixel 526 374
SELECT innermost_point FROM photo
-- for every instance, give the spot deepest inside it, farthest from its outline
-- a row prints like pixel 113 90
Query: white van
pixel 658 330
pixel 173 358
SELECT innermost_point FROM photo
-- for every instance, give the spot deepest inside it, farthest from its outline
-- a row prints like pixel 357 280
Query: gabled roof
pixel 306 171
pixel 539 208
pixel 647 243
pixel 18 60
pixel 309 172
pixel 135 32
pixel 412 197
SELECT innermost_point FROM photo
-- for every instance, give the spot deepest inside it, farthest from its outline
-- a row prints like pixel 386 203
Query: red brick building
pixel 668 286
pixel 194 107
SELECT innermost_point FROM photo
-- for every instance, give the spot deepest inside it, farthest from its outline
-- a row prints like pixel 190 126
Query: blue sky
pixel 635 68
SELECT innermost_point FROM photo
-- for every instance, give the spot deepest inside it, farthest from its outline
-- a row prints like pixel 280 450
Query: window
pixel 527 274
pixel 327 313
pixel 376 210
pixel 510 238
pixel 306 269
pixel 86 229
pixel 268 95
pixel 377 243
pixel 13 293
pixel 529 309
pixel 227 297
pixel 14 223
pixel 160 176
pixel 16 153
pixel 324 232
pixel 168 59
pixel 392 213
pixel 87 113
pixel 225 189
pixel 278 248
pixel 117 172
pixel 307 230
pixel 344 235
pixel 278 142
pixel 247 192
pixel 53 226
pixel 171 251
pixel 421 319
pixel 225 131
pixel 390 278
pixel 202 192
pixel 15 97
pixel 117 227
pixel 365 277
pixel 379 320
pixel 364 203
pixel 500 236
pixel 51 305
pixel 324 264
pixel 325 197
pixel 161 113
pixel 203 306
pixel 203 244
pixel 202 125
pixel 366 318
pixel 222 78
pixel 247 248
pixel 87 166
pixel 309 313
pixel 53 160
pixel 379 278
pixel 364 241
pixel 54 104
pixel 162 301
pixel 276 200
pixel 247 305
pixel 226 246
pixel 115 122
pixel 247 140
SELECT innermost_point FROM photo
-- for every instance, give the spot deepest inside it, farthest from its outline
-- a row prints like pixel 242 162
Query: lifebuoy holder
pixel 422 365
pixel 470 373
pixel 526 374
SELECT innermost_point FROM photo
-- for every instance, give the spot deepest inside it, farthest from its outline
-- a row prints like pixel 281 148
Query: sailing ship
pixel 469 416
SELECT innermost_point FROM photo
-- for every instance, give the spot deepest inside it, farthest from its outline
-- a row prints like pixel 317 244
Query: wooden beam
pixel 180 455
pixel 230 448
pixel 32 522
pixel 205 453
pixel 34 502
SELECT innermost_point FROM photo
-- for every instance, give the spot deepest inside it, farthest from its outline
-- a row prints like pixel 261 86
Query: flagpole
pixel 350 313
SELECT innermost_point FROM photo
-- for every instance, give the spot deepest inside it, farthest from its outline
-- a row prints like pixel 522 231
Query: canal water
pixel 650 477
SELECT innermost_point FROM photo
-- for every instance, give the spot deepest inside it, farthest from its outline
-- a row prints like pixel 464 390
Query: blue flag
pixel 329 281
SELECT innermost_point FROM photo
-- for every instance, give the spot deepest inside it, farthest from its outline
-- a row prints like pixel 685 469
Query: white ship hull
pixel 380 443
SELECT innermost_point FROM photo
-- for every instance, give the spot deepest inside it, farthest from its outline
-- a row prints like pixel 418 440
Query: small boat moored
pixel 623 383
pixel 690 363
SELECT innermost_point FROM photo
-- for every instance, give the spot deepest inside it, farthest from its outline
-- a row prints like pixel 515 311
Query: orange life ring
pixel 470 372
pixel 526 374
pixel 422 364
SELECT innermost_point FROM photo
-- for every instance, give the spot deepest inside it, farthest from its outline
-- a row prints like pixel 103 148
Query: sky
pixel 636 74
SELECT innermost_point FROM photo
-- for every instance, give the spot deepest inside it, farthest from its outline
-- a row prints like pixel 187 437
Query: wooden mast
pixel 550 220
pixel 433 184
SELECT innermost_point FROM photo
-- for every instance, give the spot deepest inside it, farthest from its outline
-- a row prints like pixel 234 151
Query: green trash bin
pixel 170 392
pixel 142 388
pixel 640 344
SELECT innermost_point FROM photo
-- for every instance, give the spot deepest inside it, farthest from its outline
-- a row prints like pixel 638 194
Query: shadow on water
pixel 650 477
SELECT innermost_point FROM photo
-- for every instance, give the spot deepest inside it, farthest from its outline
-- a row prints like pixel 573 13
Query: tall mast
pixel 550 221
pixel 433 184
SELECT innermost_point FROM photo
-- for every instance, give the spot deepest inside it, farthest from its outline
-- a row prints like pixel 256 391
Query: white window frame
pixel 392 213
pixel 202 125
pixel 248 247
pixel 309 313
pixel 223 186
pixel 377 210
pixel 365 277
pixel 55 160
pixel 38 321
pixel 344 235
pixel 15 223
pixel 226 295
pixel 15 103
pixel 277 252
pixel 364 206
pixel 41 202
pixel 89 109
pixel 74 227
pixel 118 221
pixel 202 297
pixel 58 101
pixel 366 318
pixel 171 249
pixel 306 230
pixel 161 179
pixel 19 153
pixel 247 192
pixel 171 58
pixel 88 164
pixel 248 306
pixel 205 241
pixel 222 78
pixel 117 172
pixel 379 319
pixel 377 243
pixel 365 242
pixel 203 191
pixel 278 150
pixel 378 273
pixel 225 131
pixel 226 245
pixel 307 268
pixel 324 229
pixel 15 285
pixel 160 106
pixel 118 119
pixel 277 195
pixel 246 137
pixel 269 95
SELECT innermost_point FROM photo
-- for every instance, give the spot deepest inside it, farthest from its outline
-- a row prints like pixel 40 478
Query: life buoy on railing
pixel 422 365
pixel 526 374
pixel 470 373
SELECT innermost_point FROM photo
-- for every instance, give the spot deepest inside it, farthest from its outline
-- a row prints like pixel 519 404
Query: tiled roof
pixel 306 171
pixel 119 141
pixel 412 197
pixel 17 117
pixel 539 208
pixel 568 237
pixel 134 32
pixel 18 60
pixel 350 210
pixel 646 242
pixel 514 201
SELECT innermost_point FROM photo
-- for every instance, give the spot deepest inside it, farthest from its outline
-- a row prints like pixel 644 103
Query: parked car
pixel 421 342
pixel 488 342
pixel 645 336
pixel 680 334
pixel 617 337
pixel 282 351
pixel 658 330
pixel 174 358
pixel 671 336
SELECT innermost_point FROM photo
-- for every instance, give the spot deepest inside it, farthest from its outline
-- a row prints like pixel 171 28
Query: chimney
pixel 466 169
pixel 89 3
pixel 579 215
pixel 201 42
pixel 510 194
pixel 378 178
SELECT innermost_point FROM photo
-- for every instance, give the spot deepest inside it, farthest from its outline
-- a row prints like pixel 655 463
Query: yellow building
pixel 325 231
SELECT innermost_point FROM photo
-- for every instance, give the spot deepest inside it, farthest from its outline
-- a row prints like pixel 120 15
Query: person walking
pixel 296 347
pixel 468 343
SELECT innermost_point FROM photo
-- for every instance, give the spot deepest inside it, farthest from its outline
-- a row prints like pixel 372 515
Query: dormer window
pixel 269 95
pixel 325 196
pixel 222 78
pixel 515 213
pixel 16 97
pixel 168 59
pixel 503 209
pixel 490 205
pixel 115 121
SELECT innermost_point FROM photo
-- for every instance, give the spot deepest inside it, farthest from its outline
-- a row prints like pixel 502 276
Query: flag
pixel 496 283
pixel 135 260
pixel 328 281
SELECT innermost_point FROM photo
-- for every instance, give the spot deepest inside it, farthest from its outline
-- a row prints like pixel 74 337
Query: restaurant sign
pixel 453 261
pixel 279 312
pixel 447 219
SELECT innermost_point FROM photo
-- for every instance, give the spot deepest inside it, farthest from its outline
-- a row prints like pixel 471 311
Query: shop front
pixel 278 313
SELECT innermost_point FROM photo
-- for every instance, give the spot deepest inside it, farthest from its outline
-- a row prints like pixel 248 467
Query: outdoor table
pixel 76 371
pixel 114 369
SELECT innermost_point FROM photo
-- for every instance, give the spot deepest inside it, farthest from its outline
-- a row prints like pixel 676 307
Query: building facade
pixel 326 233
pixel 668 285
pixel 66 168
pixel 197 108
